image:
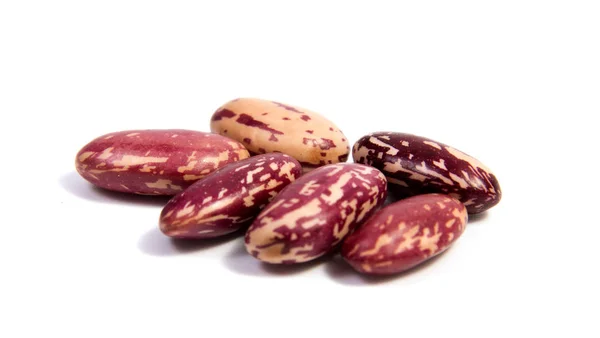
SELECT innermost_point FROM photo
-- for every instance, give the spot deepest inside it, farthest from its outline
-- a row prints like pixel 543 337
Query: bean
pixel 416 165
pixel 228 199
pixel 312 215
pixel 267 126
pixel 155 162
pixel 404 234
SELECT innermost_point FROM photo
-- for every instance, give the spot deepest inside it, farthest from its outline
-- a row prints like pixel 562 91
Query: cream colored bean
pixel 267 126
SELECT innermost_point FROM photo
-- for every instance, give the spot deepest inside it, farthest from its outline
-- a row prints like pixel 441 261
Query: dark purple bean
pixel 416 165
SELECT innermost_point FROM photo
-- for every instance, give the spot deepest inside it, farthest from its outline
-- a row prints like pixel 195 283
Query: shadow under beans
pixel 394 194
pixel 476 218
pixel 390 198
pixel 77 186
pixel 155 243
pixel 240 261
pixel 343 273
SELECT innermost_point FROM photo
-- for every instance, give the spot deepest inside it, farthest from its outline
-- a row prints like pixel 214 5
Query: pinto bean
pixel 155 162
pixel 313 214
pixel 405 234
pixel 228 199
pixel 416 165
pixel 267 126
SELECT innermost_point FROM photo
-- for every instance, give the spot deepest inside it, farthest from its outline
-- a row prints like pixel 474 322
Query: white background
pixel 513 83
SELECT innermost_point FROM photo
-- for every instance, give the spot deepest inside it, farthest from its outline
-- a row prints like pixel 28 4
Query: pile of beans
pixel 279 173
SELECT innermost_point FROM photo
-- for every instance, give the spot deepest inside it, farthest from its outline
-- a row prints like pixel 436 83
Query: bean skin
pixel 312 215
pixel 155 162
pixel 416 165
pixel 267 126
pixel 405 234
pixel 228 199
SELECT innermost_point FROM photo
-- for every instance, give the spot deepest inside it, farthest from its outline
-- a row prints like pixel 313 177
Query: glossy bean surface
pixel 228 199
pixel 312 215
pixel 155 162
pixel 267 126
pixel 416 165
pixel 405 234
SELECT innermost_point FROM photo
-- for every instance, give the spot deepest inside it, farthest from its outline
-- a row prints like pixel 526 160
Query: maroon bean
pixel 155 162
pixel 405 234
pixel 228 199
pixel 416 165
pixel 313 214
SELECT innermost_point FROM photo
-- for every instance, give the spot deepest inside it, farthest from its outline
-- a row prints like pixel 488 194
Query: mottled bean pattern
pixel 267 126
pixel 228 199
pixel 417 165
pixel 313 214
pixel 405 234
pixel 155 162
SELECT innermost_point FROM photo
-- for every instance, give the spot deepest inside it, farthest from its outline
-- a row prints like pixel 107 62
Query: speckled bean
pixel 155 162
pixel 228 199
pixel 405 234
pixel 267 126
pixel 417 165
pixel 313 214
